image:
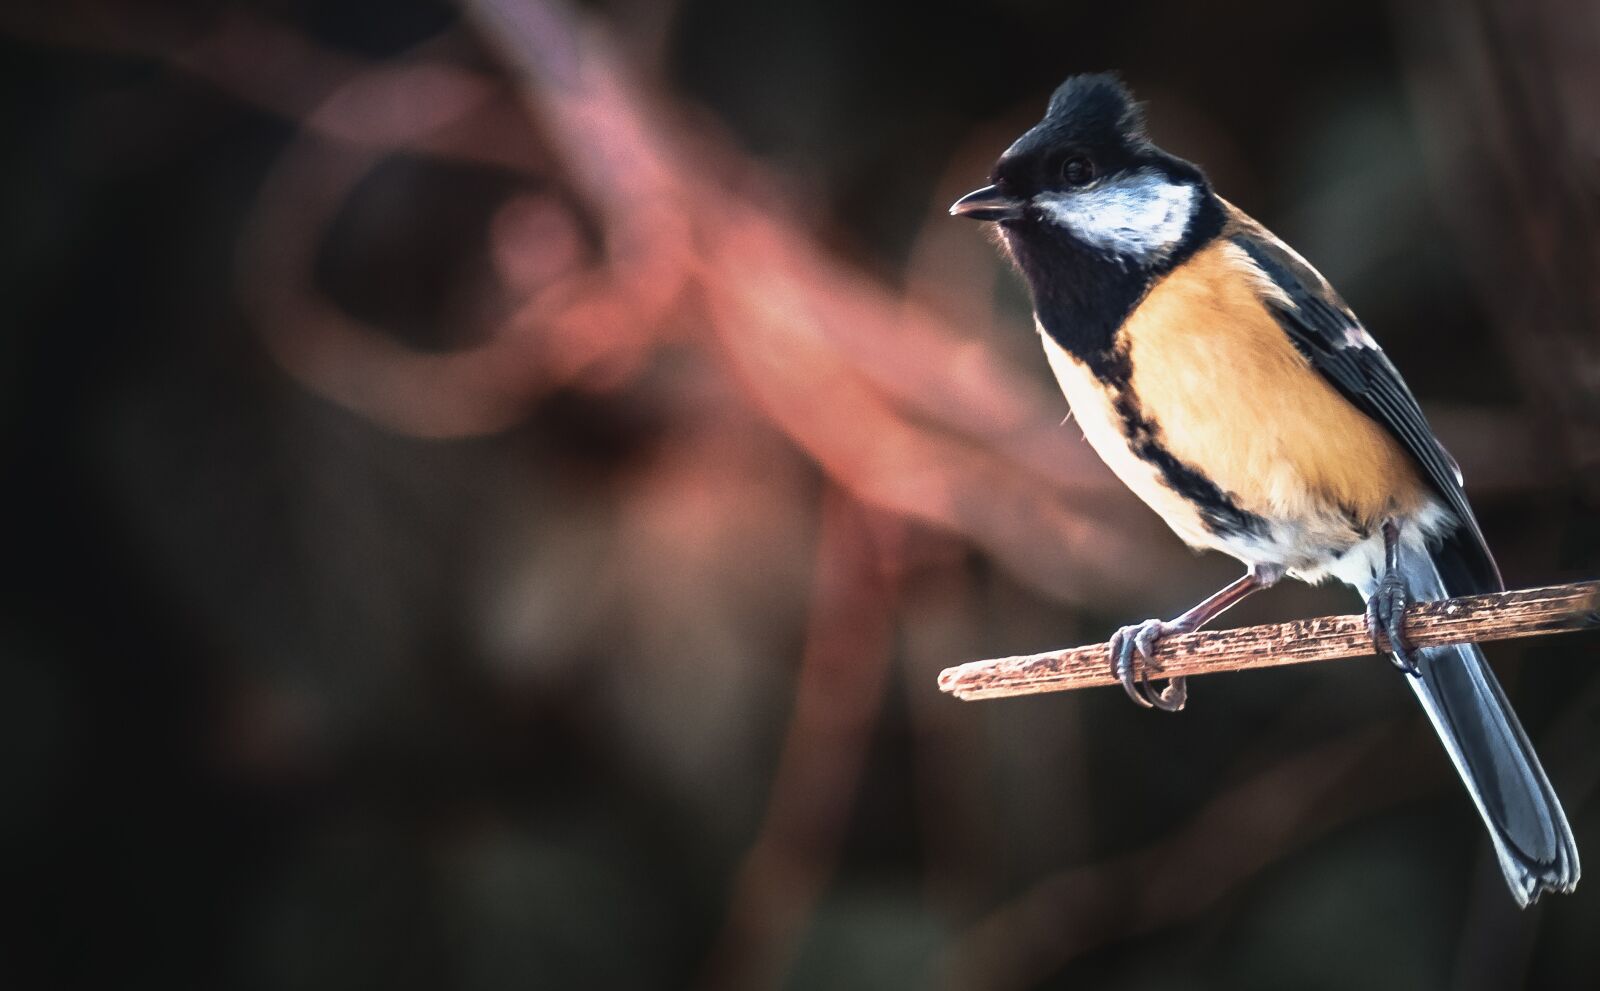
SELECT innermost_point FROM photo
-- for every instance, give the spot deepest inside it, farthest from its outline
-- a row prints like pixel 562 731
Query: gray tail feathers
pixel 1487 743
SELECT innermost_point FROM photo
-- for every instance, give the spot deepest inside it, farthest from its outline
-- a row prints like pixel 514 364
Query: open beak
pixel 987 203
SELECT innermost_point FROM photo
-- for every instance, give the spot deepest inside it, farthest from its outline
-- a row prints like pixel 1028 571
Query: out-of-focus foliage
pixel 491 488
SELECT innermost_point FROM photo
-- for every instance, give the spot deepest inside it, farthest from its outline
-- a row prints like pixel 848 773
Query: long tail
pixel 1488 745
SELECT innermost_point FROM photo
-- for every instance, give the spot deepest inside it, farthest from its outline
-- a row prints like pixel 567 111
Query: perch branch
pixel 1498 616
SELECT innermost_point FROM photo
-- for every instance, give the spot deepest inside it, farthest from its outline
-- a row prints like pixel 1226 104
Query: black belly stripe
pixel 1217 510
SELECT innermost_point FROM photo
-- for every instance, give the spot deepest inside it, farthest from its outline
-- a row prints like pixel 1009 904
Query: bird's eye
pixel 1077 170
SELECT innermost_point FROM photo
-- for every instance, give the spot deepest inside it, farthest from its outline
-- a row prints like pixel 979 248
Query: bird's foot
pixel 1143 638
pixel 1386 615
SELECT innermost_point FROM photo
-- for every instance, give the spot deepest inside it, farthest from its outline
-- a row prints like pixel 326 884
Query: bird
pixel 1228 385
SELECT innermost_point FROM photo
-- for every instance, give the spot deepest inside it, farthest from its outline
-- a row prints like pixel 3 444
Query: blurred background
pixel 490 488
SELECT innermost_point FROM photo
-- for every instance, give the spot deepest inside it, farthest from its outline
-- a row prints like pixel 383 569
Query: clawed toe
pixel 1386 614
pixel 1143 638
pixel 1172 697
pixel 1121 647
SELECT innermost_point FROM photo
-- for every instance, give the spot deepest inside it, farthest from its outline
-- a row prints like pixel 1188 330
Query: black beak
pixel 987 203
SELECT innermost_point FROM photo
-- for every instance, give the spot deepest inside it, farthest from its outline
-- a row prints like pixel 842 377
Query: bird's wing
pixel 1324 329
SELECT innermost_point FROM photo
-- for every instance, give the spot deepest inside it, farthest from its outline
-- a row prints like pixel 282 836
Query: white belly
pixel 1094 410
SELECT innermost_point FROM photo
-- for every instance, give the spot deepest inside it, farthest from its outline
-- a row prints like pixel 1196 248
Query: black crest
pixel 1092 115
pixel 1097 105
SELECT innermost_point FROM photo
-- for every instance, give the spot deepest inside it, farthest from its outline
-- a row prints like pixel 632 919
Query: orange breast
pixel 1232 397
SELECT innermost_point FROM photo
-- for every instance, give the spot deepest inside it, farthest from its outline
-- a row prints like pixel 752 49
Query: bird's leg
pixel 1144 636
pixel 1386 606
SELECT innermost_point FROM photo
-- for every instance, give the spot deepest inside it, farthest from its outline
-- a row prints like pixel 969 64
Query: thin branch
pixel 1499 616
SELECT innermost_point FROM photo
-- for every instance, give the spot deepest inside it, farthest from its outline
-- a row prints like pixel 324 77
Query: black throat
pixel 1082 297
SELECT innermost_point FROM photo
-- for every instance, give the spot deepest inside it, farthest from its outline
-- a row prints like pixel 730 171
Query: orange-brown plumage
pixel 1229 391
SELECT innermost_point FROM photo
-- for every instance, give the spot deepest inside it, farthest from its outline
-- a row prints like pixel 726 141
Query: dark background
pixel 606 658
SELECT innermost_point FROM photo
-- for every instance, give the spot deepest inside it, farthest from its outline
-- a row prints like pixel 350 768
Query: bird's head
pixel 1086 180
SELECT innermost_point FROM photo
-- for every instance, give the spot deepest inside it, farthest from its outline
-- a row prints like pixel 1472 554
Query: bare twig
pixel 1499 616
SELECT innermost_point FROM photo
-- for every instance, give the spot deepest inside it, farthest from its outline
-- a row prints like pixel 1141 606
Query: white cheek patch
pixel 1143 215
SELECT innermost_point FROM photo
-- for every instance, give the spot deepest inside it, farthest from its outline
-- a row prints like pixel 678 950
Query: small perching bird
pixel 1227 384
